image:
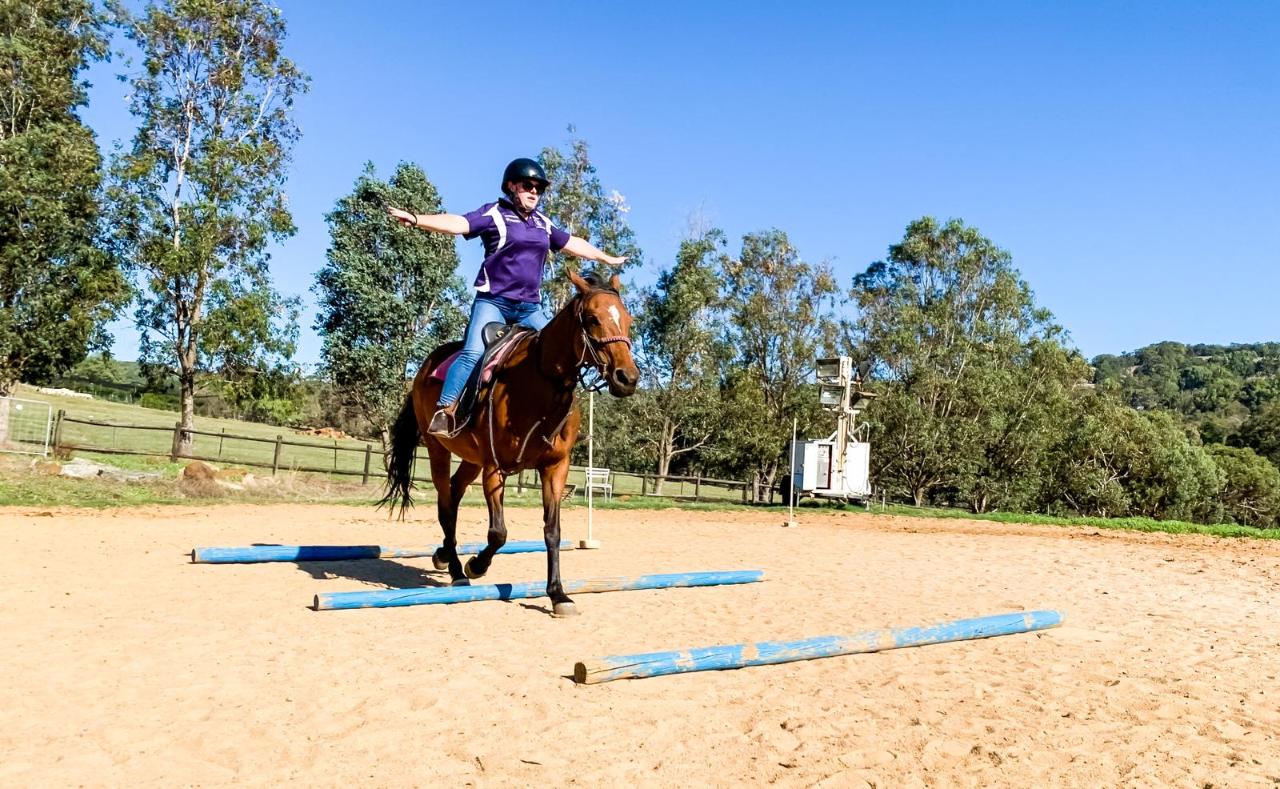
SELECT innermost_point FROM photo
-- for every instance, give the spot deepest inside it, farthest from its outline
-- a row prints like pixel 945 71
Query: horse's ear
pixel 616 283
pixel 578 282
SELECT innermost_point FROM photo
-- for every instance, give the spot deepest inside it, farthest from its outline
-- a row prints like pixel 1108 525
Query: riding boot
pixel 442 422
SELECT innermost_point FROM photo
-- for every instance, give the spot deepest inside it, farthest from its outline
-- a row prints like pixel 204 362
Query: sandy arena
pixel 126 665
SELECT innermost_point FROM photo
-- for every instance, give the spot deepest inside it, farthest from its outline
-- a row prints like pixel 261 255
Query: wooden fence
pixel 342 458
pixel 339 457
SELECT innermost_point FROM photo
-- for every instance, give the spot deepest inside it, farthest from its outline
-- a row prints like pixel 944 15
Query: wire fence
pixel 25 426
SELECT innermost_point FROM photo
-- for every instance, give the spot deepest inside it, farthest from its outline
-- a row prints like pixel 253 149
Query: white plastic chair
pixel 597 479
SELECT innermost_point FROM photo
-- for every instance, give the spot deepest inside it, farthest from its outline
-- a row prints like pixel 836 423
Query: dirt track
pixel 126 665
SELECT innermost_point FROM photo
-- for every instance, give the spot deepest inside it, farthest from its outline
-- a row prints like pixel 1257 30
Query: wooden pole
pixel 258 554
pixel 390 598
pixel 791 479
pixel 275 457
pixel 766 653
pixel 57 432
pixel 368 458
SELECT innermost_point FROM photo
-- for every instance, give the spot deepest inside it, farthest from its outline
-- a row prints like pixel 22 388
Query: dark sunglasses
pixel 533 186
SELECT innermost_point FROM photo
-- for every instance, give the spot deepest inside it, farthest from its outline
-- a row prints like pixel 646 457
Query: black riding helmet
pixel 523 169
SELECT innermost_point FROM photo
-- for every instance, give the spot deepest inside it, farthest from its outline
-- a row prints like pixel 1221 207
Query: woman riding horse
pixel 528 419
pixel 517 241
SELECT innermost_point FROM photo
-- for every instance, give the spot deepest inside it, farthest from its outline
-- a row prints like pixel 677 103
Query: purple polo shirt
pixel 515 250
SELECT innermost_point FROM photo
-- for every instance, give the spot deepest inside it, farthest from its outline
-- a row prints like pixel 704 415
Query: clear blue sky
pixel 1126 154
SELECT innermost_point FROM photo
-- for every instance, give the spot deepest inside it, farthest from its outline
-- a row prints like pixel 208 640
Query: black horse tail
pixel 404 444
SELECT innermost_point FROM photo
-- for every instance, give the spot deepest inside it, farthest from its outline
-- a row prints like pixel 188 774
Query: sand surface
pixel 124 664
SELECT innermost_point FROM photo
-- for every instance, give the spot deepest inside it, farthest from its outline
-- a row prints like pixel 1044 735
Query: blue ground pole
pixel 390 598
pixel 765 653
pixel 250 554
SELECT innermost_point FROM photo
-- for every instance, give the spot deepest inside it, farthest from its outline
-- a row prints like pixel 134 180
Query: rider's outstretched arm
pixel 580 247
pixel 440 223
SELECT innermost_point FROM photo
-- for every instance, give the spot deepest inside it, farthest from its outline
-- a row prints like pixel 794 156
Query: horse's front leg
pixel 494 483
pixel 553 479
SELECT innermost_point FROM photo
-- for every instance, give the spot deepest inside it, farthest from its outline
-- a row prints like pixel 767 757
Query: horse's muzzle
pixel 623 381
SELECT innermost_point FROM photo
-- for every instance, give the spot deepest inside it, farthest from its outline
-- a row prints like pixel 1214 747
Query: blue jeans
pixel 486 309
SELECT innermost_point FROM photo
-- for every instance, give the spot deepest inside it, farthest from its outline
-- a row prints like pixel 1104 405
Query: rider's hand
pixel 403 217
pixel 616 262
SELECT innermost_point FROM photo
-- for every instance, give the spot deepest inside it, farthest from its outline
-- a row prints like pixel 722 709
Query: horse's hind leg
pixel 448 497
pixel 494 483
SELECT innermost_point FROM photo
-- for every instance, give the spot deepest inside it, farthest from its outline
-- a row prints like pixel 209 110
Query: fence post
pixel 697 487
pixel 275 460
pixel 221 438
pixel 644 484
pixel 744 493
pixel 520 482
pixel 335 454
pixel 368 456
pixel 177 438
pixel 57 433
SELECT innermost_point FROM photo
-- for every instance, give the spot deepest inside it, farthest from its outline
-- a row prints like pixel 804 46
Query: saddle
pixel 499 340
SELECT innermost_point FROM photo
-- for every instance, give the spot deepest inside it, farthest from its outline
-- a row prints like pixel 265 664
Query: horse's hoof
pixel 561 610
pixel 460 582
pixel 470 569
pixel 438 563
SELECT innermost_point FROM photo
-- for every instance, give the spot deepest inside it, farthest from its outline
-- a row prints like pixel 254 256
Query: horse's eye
pixel 591 320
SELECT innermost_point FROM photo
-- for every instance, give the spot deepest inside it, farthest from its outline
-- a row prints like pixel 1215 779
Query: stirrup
pixel 443 422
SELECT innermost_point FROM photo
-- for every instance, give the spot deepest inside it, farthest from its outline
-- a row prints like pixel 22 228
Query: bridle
pixel 592 347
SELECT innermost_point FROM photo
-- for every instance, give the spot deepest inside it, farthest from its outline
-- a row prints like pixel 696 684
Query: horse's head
pixel 606 332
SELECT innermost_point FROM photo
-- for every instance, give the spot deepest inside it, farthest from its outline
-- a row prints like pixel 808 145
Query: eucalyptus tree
pixel 578 203
pixel 388 295
pixel 1250 488
pixel 779 318
pixel 58 284
pixel 199 194
pixel 682 352
pixel 973 375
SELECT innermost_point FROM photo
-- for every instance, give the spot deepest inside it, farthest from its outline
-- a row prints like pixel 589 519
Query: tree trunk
pixel 766 490
pixel 187 381
pixel 666 446
pixel 918 495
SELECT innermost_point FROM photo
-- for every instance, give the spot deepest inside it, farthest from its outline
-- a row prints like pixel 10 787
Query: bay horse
pixel 529 420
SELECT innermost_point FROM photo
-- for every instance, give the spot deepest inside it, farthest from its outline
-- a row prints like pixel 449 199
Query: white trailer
pixel 821 470
pixel 838 466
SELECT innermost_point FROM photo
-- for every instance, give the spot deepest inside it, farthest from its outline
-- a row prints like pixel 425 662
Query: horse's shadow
pixel 378 572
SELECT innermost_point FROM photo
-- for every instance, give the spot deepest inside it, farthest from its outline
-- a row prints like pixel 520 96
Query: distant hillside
pixel 105 378
pixel 286 399
pixel 1227 392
